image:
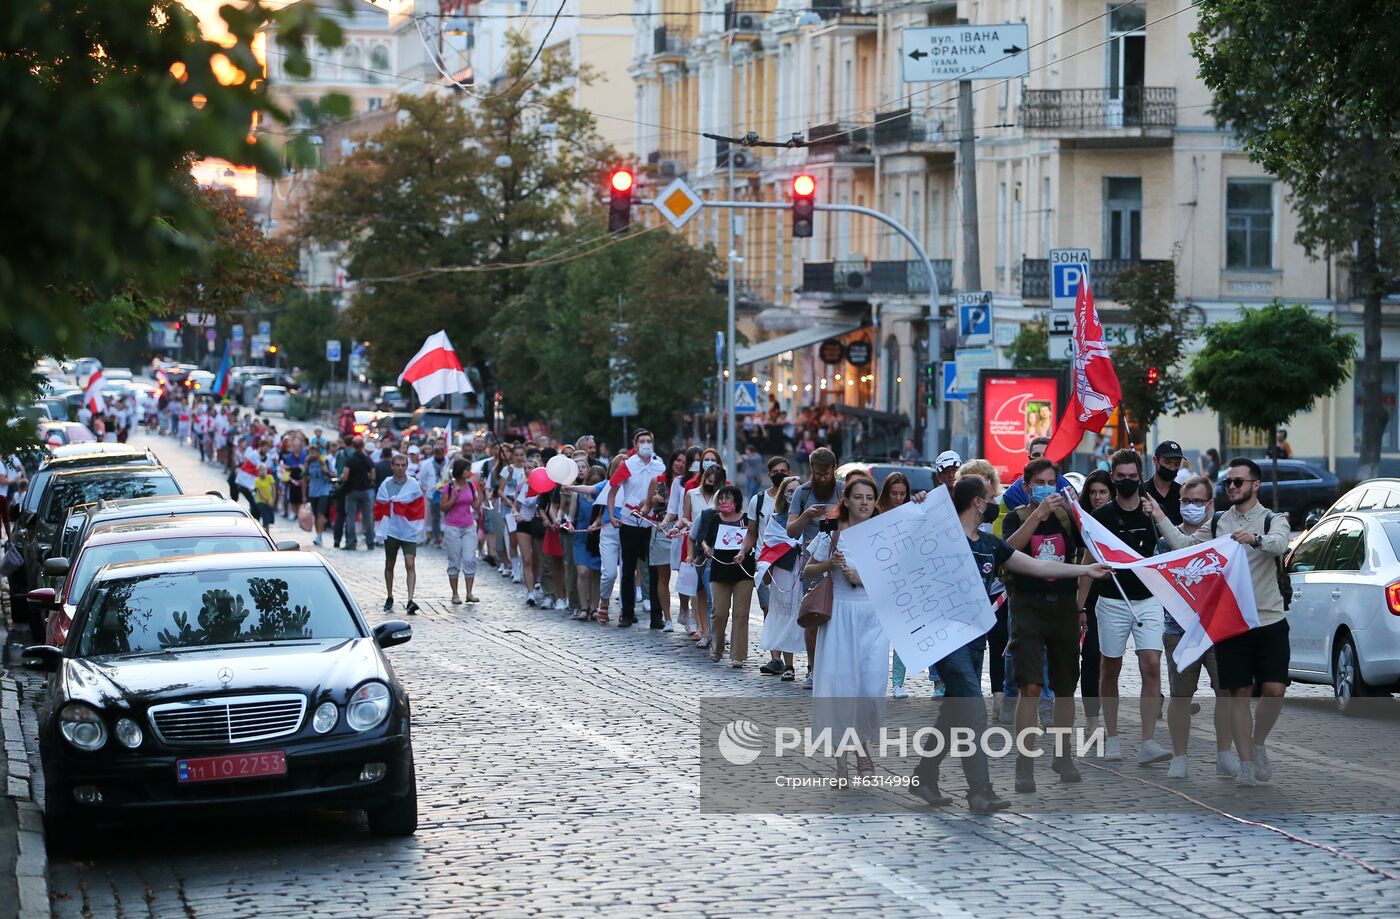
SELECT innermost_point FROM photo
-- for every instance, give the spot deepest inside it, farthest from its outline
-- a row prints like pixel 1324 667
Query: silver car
pixel 1344 620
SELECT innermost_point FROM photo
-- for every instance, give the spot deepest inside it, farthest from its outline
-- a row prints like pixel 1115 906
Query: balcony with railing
pixel 1145 114
pixel 669 44
pixel 858 279
pixel 845 142
pixel 1035 276
pixel 844 13
pixel 929 132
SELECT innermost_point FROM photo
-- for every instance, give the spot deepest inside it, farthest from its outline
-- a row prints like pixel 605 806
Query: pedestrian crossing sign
pixel 745 398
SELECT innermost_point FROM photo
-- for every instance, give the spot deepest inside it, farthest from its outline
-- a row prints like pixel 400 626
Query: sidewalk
pixel 24 884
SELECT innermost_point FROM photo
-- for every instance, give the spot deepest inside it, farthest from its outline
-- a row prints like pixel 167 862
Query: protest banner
pixel 918 569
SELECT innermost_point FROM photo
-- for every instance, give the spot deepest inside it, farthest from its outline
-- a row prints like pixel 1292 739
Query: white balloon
pixel 561 469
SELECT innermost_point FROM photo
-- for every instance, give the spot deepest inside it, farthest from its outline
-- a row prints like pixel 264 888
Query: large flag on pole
pixel 1096 390
pixel 221 379
pixel 92 395
pixel 435 370
pixel 1207 587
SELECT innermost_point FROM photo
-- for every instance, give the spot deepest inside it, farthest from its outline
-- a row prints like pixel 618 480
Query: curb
pixel 32 864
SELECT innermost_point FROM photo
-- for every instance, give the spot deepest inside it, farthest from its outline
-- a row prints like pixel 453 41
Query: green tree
pixel 1160 332
pixel 1030 349
pixel 1309 86
pixel 1239 373
pixel 105 105
pixel 301 324
pixel 554 342
pixel 434 211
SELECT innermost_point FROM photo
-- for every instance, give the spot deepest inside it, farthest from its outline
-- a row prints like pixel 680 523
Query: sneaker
pixel 317 540
pixel 625 621
pixel 807 683
pixel 1246 776
pixel 646 606
pixel 668 626
pixel 1177 770
pixel 1227 765
pixel 1113 749
pixel 1007 715
pixel 899 692
pixel 561 604
pixel 1150 753
pixel 1263 769
pixel 412 608
pixel 389 605
pixel 530 599
pixel 986 801
pixel 789 675
pixel 772 668
pixel 514 579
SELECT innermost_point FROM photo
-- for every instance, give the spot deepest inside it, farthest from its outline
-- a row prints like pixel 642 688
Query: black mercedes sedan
pixel 223 682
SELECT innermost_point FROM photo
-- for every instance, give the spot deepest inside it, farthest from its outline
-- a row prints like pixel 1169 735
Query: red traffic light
pixel 1152 376
pixel 803 189
pixel 803 185
pixel 622 180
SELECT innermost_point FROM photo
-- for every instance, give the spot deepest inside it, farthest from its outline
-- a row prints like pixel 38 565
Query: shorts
pixel 1183 683
pixel 392 547
pixel 1258 656
pixel 320 505
pixel 1144 619
pixel 1045 628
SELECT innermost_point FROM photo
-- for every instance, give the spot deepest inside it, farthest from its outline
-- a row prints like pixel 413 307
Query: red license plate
pixel 237 766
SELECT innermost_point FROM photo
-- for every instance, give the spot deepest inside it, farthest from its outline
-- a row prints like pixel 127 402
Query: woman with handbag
pixel 781 633
pixel 853 652
pixel 724 541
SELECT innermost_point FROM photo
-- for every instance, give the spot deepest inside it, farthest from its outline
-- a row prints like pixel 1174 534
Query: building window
pixel 1249 224
pixel 1390 371
pixel 379 63
pixel 1123 218
pixel 350 61
pixel 374 104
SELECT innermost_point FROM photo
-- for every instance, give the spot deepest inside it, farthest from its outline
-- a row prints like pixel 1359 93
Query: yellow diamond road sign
pixel 678 202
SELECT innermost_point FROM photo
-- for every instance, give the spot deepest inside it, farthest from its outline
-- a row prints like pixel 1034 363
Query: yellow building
pixel 1106 144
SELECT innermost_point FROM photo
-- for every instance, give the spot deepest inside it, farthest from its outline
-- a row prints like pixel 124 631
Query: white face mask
pixel 646 451
pixel 707 464
pixel 1193 513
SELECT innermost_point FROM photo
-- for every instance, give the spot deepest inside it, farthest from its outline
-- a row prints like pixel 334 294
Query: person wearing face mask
pixel 1124 606
pixel 632 486
pixel 759 511
pixel 683 463
pixel 1044 614
pixel 724 540
pixel 1163 488
pixel 782 637
pixel 1018 494
pixel 1098 491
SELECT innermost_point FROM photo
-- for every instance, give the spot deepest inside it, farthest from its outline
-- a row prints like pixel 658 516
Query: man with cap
pixel 945 468
pixel 1162 488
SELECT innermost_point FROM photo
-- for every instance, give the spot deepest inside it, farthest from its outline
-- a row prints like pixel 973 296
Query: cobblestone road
pixel 558 765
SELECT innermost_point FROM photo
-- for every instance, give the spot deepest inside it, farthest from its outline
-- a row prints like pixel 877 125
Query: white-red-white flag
pixel 1096 390
pixel 92 395
pixel 774 544
pixel 435 370
pixel 1207 588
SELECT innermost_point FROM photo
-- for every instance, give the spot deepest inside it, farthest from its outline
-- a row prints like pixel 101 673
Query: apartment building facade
pixel 1107 144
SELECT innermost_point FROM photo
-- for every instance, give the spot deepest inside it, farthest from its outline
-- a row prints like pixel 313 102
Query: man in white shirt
pixel 631 486
pixel 758 511
pixel 430 475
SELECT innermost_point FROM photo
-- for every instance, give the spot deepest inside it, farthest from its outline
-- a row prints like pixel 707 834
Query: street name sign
pixel 968 52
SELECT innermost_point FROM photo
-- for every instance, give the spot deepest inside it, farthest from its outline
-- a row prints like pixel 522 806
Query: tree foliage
pixel 554 342
pixel 1161 330
pixel 450 187
pixel 1309 86
pixel 301 324
pixel 1030 349
pixel 105 105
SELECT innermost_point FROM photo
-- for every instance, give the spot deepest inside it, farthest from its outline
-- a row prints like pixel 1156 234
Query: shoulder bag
pixel 815 610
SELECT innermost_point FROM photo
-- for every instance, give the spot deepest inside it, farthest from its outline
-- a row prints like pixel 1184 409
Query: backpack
pixel 1285 587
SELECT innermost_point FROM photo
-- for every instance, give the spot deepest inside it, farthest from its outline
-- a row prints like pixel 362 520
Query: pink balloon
pixel 540 482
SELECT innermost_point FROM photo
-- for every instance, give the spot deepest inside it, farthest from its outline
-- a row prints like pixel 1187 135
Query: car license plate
pixel 237 766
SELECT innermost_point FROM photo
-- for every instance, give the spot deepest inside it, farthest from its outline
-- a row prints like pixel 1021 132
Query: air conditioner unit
pixel 669 168
pixel 743 159
pixel 748 22
pixel 855 280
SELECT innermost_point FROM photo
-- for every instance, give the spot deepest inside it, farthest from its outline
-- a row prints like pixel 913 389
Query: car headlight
pixel 82 726
pixel 325 718
pixel 128 733
pixel 369 706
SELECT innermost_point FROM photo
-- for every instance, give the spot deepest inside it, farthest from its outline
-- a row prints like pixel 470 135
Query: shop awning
pixel 792 341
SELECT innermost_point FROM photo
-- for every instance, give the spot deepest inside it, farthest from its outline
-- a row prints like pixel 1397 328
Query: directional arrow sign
pixel 969 52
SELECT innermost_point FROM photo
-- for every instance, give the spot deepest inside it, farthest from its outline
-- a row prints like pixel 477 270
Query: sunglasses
pixel 1238 483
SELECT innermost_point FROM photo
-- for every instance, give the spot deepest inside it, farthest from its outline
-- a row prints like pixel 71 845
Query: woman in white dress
pixel 781 632
pixel 853 652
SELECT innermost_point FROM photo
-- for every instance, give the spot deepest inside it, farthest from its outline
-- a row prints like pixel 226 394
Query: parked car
pixel 363 419
pixel 392 399
pixel 61 491
pixel 1303 489
pixel 116 373
pixel 271 399
pixel 199 380
pixel 62 433
pixel 920 477
pixel 309 711
pixel 1370 495
pixel 1344 618
pixel 138 540
pixel 390 425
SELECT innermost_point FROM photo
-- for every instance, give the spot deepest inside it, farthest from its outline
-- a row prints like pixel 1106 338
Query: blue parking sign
pixel 1066 279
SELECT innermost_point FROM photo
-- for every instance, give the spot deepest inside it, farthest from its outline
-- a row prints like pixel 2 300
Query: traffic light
pixel 271 349
pixel 1152 376
pixel 620 200
pixel 804 188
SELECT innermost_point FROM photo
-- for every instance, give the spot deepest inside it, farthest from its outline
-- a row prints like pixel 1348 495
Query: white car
pixel 200 380
pixel 1344 619
pixel 271 399
pixel 116 373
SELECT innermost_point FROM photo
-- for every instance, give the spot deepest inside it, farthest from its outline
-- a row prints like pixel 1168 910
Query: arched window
pixel 351 64
pixel 379 63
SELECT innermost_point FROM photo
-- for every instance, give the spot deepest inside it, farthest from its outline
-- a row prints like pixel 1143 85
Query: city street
pixel 558 772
